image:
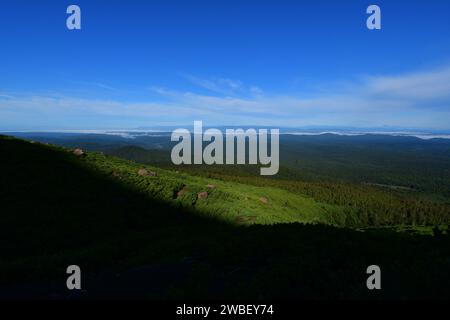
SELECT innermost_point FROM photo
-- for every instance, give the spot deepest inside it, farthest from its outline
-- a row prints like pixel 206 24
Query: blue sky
pixel 278 63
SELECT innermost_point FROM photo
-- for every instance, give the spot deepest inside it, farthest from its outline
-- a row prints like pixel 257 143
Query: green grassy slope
pixel 98 212
pixel 364 203
pixel 228 201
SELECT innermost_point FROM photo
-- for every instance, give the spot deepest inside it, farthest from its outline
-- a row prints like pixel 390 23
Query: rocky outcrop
pixel 78 152
pixel 264 200
pixel 146 173
pixel 202 195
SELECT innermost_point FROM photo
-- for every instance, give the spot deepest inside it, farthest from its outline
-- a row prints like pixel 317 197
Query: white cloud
pixel 421 85
pixel 420 99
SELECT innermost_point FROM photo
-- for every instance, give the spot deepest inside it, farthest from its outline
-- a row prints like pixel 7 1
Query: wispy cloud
pixel 223 86
pixel 96 85
pixel 5 96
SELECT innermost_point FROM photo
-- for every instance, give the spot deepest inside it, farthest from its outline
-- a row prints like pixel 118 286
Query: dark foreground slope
pixel 58 209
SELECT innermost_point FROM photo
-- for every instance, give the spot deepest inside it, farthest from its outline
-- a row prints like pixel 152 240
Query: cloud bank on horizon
pixel 417 99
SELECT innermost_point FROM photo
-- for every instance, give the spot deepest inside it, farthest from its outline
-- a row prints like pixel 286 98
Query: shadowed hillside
pixel 158 233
